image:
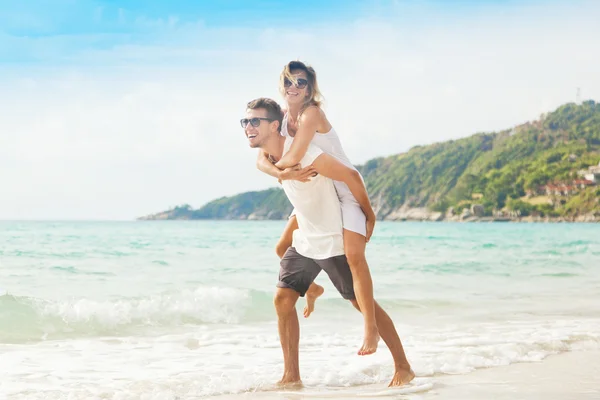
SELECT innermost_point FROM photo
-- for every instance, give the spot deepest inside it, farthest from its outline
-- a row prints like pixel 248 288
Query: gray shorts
pixel 298 272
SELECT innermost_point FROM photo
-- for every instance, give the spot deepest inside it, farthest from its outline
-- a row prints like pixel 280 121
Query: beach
pixel 183 310
pixel 572 375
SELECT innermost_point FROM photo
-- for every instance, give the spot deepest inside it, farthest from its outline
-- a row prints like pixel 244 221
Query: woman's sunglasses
pixel 255 122
pixel 301 83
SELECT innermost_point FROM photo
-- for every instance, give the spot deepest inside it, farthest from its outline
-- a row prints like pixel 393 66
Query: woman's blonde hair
pixel 314 97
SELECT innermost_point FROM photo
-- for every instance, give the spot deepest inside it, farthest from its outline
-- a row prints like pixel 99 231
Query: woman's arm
pixel 307 127
pixel 296 173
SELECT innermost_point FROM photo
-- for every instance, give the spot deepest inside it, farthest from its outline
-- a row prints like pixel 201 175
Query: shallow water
pixel 166 310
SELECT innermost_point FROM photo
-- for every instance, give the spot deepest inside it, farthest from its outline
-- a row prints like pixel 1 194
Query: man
pixel 317 243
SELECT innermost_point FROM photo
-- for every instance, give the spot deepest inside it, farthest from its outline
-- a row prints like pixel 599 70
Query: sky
pixel 110 110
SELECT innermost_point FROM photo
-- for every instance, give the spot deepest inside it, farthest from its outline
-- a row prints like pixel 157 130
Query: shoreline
pixel 556 377
pixel 526 220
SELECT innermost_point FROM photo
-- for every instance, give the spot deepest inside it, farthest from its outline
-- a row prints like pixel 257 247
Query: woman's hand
pixel 297 173
pixel 370 226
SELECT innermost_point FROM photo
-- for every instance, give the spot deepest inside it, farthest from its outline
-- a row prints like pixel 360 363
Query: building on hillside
pixel 591 174
pixel 560 188
pixel 583 183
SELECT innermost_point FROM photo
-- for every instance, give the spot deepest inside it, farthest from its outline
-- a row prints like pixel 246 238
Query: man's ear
pixel 276 125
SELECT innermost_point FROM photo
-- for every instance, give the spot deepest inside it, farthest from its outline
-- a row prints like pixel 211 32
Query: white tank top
pixel 328 142
pixel 317 209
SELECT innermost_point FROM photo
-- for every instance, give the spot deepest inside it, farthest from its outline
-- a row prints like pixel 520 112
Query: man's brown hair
pixel 273 109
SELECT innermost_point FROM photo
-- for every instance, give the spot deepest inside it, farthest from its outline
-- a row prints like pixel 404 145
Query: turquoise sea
pixel 183 310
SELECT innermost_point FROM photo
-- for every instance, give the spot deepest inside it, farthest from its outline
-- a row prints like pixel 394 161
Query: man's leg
pixel 285 242
pixel 289 333
pixel 296 273
pixel 402 370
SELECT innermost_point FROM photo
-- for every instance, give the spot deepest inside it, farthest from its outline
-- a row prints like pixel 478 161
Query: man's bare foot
pixel 312 294
pixel 370 343
pixel 402 376
pixel 290 383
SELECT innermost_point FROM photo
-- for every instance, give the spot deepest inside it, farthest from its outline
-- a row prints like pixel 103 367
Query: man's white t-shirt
pixel 318 211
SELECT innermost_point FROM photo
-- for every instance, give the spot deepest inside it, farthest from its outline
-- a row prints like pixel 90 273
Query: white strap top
pixel 328 142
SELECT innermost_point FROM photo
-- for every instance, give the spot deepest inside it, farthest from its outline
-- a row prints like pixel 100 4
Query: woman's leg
pixel 354 247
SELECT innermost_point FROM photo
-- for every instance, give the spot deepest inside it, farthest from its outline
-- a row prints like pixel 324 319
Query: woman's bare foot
pixel 402 376
pixel 312 294
pixel 370 343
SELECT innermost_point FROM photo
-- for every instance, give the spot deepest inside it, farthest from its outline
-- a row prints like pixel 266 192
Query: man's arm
pixel 329 167
pixel 307 128
pixel 266 166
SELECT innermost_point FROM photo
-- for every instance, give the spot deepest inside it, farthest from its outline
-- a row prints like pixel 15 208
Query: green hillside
pixel 505 172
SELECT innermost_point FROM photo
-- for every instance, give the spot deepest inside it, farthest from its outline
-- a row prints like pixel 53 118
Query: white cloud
pixel 132 129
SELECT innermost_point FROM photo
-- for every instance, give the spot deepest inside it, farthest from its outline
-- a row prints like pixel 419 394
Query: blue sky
pixel 85 17
pixel 115 109
pixel 76 17
pixel 71 25
pixel 45 31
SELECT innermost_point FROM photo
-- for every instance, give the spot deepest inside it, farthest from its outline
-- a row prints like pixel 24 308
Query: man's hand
pixel 370 226
pixel 297 173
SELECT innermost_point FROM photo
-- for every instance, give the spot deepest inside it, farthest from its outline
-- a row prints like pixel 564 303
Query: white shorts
pixel 353 217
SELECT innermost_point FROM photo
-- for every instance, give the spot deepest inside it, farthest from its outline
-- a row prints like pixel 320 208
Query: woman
pixel 306 122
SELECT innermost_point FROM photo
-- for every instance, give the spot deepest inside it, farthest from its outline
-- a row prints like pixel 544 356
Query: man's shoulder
pixel 312 151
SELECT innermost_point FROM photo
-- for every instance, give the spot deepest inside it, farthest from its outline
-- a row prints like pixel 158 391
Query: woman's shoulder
pixel 316 117
pixel 313 112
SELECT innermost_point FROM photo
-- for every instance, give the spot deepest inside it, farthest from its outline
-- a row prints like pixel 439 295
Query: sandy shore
pixel 573 375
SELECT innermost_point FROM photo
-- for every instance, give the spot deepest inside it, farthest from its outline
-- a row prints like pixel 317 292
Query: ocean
pixel 183 309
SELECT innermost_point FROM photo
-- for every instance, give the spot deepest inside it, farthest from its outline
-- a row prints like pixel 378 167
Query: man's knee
pixel 285 300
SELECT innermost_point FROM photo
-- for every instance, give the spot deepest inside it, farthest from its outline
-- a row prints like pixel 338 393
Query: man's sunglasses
pixel 301 83
pixel 255 122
